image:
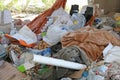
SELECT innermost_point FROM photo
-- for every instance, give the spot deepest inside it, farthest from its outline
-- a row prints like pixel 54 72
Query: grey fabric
pixel 74 54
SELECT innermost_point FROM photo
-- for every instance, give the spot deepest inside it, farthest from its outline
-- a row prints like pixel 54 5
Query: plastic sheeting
pixel 8 72
pixel 55 34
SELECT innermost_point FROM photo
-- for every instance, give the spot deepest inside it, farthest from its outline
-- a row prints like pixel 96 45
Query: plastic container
pixel 78 21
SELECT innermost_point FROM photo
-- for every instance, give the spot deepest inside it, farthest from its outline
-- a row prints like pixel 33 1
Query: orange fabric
pixel 37 24
pixel 21 42
pixel 91 40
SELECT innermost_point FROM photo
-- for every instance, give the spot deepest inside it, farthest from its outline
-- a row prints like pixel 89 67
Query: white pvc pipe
pixel 58 62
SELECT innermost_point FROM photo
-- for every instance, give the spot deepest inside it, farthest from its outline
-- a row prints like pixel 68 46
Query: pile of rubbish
pixel 56 45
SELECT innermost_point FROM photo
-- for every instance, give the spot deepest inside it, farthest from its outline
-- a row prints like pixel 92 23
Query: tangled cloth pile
pixel 91 40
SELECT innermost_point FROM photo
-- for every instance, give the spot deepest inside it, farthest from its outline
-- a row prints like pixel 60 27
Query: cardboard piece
pixel 9 72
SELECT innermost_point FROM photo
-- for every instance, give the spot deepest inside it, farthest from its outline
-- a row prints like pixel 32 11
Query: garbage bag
pixel 55 33
pixel 113 55
pixel 59 16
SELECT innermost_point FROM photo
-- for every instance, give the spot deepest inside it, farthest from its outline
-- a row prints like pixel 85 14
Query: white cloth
pixel 113 55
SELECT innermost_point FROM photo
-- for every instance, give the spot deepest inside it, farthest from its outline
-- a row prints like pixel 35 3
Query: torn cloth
pixel 91 40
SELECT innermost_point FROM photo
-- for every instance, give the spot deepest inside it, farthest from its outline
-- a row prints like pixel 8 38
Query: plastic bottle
pixel 78 21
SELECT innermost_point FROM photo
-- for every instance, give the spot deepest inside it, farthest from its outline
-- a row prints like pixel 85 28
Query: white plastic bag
pixel 55 33
pixel 113 55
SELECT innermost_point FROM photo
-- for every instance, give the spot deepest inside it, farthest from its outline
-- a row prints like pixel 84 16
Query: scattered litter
pixel 57 45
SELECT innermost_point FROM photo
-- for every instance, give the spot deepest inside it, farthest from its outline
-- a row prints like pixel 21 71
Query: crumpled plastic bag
pixel 113 55
pixel 55 33
pixel 61 17
pixel 61 25
pixel 38 23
